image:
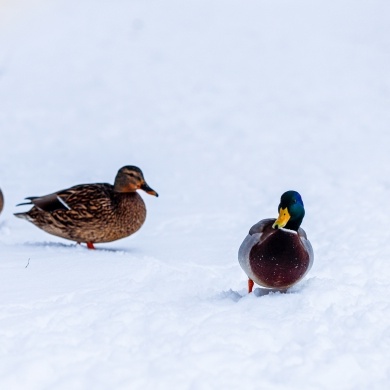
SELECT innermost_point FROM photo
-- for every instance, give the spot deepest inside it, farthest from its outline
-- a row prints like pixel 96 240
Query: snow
pixel 224 105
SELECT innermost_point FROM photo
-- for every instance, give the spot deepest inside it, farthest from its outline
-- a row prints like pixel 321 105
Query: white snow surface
pixel 224 105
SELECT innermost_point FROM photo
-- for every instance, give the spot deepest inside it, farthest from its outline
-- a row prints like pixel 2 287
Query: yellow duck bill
pixel 283 218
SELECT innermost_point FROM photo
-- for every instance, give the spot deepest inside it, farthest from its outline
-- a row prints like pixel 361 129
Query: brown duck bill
pixel 282 220
pixel 148 190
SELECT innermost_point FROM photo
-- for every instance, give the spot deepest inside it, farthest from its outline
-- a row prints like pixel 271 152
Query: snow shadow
pixel 257 292
pixel 50 244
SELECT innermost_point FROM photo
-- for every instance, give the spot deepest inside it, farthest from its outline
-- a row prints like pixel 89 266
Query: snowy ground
pixel 224 105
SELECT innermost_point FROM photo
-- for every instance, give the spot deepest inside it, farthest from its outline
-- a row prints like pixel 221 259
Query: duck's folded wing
pixel 257 234
pixel 302 233
pixel 85 196
pixel 49 202
pixel 261 225
pixel 306 243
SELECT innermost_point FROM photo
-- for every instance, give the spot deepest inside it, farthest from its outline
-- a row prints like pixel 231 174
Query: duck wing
pixel 261 226
pixel 85 197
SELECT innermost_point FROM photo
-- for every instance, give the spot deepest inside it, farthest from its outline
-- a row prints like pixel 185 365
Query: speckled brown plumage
pixel 93 213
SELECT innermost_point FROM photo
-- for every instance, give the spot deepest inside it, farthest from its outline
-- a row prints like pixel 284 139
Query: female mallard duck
pixel 1 201
pixel 276 253
pixel 93 213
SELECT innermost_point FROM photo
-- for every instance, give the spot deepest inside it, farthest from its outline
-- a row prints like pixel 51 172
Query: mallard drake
pixel 1 201
pixel 92 213
pixel 276 253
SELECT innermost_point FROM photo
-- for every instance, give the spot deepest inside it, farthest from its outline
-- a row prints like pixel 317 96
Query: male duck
pixel 93 213
pixel 276 253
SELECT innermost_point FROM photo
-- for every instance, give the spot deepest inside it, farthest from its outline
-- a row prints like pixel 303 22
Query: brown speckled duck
pixel 276 254
pixel 93 213
pixel 1 201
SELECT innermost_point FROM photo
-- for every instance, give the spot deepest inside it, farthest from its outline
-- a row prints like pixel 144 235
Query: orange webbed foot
pixel 250 285
pixel 90 245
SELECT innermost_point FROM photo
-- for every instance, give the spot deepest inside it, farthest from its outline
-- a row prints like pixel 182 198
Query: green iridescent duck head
pixel 291 211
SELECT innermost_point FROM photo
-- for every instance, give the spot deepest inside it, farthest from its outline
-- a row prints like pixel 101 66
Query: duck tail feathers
pixel 30 200
pixel 23 216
